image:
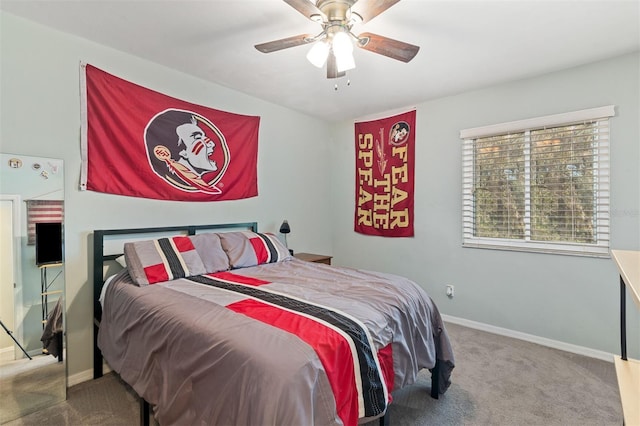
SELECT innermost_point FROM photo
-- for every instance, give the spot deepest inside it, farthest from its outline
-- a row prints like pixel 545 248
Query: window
pixel 539 185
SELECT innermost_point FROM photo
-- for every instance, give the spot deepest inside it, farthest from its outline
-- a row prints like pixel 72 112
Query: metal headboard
pixel 122 235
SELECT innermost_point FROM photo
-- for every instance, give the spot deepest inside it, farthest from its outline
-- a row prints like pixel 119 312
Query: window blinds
pixel 539 184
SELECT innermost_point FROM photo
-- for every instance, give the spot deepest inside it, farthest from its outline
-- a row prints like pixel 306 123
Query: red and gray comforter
pixel 289 343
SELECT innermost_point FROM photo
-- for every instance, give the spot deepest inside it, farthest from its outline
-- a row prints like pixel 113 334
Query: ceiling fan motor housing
pixel 336 10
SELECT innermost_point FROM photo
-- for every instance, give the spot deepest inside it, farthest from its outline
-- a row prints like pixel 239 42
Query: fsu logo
pixel 399 133
pixel 187 150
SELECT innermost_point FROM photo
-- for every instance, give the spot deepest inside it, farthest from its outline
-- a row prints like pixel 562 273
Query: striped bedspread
pixel 287 343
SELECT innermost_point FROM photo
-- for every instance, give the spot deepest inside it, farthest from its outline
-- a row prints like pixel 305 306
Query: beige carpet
pixel 30 385
pixel 497 381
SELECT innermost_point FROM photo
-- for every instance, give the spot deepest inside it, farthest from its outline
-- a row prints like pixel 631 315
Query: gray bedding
pixel 182 347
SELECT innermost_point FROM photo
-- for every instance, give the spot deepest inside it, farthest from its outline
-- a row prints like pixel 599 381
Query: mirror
pixel 32 344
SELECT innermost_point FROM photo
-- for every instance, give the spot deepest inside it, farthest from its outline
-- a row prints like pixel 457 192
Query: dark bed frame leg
pixel 97 355
pixel 384 420
pixel 144 412
pixel 435 380
pixel 435 390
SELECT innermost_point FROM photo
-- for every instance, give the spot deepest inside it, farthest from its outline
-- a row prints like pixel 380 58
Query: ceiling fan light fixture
pixel 333 46
pixel 318 53
pixel 342 43
pixel 345 61
pixel 343 50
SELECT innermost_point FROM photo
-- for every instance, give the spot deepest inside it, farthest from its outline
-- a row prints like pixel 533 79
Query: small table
pixel 316 258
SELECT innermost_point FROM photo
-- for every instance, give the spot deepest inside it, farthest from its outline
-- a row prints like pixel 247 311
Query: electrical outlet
pixel 450 291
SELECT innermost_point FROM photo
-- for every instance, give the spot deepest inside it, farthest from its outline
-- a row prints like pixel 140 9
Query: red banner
pixel 385 176
pixel 141 143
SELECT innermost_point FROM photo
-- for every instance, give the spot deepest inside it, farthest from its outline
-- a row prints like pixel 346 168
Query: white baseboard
pixel 9 354
pixel 555 344
pixel 35 352
pixel 85 376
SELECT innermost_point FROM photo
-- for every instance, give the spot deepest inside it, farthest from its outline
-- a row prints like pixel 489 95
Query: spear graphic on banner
pixel 382 157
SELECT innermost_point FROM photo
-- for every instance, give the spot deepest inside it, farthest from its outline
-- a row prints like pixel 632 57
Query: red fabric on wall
pixel 385 160
pixel 141 143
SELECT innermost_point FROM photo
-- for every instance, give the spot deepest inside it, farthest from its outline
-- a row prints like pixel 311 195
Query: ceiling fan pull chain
pixel 336 85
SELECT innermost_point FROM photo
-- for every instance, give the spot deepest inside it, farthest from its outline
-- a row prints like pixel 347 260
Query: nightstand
pixel 317 258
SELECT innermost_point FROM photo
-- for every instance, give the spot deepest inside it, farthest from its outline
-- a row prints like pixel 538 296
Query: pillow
pixel 163 259
pixel 121 261
pixel 210 250
pixel 248 248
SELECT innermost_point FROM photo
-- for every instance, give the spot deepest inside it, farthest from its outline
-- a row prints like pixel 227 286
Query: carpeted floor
pixel 497 381
pixel 29 385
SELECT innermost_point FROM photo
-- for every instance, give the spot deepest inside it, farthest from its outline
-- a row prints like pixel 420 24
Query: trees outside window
pixel 539 185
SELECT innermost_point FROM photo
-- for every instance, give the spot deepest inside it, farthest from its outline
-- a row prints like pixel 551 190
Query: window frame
pixel 601 184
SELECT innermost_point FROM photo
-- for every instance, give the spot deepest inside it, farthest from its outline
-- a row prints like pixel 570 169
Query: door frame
pixel 16 238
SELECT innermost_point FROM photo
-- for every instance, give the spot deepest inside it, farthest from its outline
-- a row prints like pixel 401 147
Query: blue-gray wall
pixel 564 298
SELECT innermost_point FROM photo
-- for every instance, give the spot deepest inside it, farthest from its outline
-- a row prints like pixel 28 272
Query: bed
pixel 219 324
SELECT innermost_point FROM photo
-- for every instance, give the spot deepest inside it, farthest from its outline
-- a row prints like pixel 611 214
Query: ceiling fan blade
pixel 369 9
pixel 332 67
pixel 284 43
pixel 388 47
pixel 305 7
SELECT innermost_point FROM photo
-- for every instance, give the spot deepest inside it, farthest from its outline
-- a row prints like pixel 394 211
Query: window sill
pixel 582 250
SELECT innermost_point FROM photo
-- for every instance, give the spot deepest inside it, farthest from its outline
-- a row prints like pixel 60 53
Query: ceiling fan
pixel 334 45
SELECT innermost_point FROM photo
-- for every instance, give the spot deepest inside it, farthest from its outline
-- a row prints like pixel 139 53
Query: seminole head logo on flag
pixel 187 150
pixel 141 143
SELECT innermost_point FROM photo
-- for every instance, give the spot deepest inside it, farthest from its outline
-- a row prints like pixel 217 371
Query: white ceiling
pixel 464 44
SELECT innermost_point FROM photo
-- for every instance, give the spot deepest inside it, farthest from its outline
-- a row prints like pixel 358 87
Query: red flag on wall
pixel 141 143
pixel 385 176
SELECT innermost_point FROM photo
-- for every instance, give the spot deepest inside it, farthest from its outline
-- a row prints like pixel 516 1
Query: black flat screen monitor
pixel 48 243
